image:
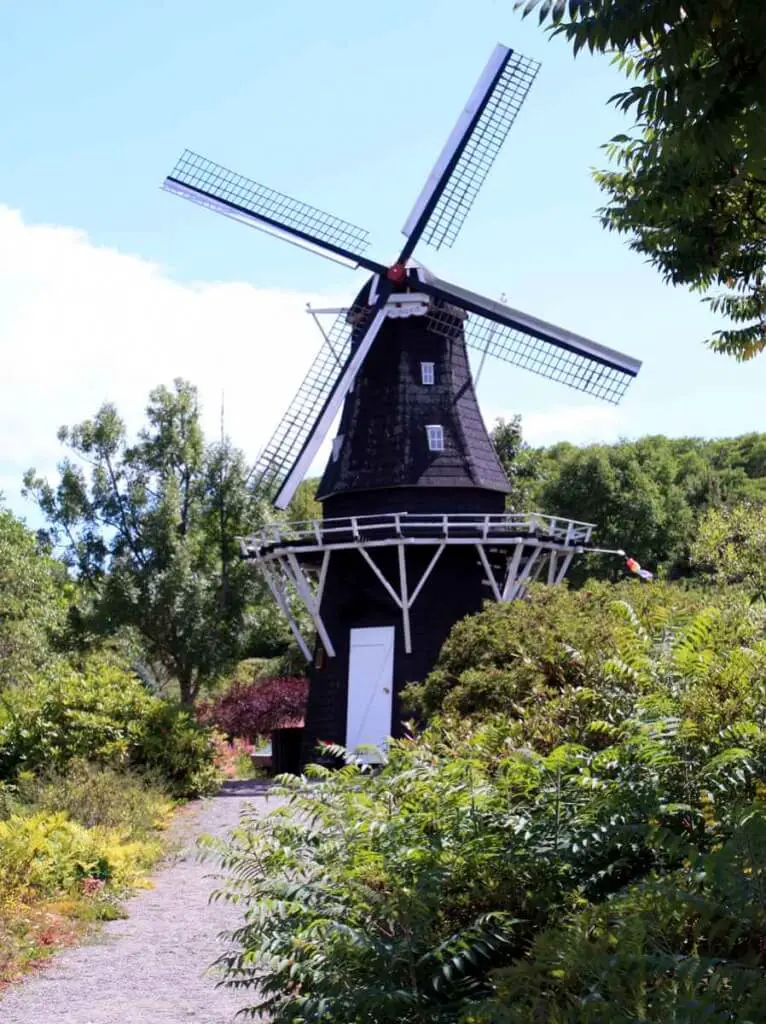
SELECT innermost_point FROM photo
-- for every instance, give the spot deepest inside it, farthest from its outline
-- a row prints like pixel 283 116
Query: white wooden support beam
pixel 316 313
pixel 488 569
pixel 565 566
pixel 552 567
pixel 513 569
pixel 311 604
pixel 524 574
pixel 539 567
pixel 527 575
pixel 323 576
pixel 404 599
pixel 284 606
pixel 389 589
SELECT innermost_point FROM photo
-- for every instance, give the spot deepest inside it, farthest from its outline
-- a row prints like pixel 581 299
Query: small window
pixel 426 373
pixel 435 433
pixel 337 444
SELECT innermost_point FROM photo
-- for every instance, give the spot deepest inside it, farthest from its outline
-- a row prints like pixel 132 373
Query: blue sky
pixel 109 286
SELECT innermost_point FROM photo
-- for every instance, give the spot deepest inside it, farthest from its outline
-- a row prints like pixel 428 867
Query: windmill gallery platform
pixel 414 533
pixel 429 570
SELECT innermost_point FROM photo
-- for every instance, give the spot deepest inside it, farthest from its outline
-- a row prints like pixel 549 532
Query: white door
pixel 370 688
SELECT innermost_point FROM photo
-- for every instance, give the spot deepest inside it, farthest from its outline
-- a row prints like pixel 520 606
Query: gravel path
pixel 150 968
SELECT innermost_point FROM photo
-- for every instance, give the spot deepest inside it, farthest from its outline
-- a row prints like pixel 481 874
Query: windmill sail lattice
pixel 481 149
pixel 215 187
pixel 520 348
pixel 283 448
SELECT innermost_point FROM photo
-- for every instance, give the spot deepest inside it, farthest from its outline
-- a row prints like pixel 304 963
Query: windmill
pixel 414 535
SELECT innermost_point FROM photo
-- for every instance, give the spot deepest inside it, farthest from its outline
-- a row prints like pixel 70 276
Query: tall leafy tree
pixel 34 595
pixel 521 463
pixel 150 529
pixel 731 546
pixel 687 184
pixel 631 493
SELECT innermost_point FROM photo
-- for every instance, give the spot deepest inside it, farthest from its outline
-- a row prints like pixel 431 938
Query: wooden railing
pixel 458 525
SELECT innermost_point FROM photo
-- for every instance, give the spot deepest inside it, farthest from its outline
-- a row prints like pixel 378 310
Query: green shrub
pixel 95 713
pixel 9 800
pixel 395 898
pixel 102 713
pixel 179 749
pixel 686 946
pixel 564 659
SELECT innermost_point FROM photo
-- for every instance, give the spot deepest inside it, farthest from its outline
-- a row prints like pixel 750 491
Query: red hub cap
pixel 397 273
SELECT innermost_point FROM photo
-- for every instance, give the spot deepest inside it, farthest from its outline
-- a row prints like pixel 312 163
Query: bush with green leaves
pixel 562 661
pixel 102 712
pixel 604 865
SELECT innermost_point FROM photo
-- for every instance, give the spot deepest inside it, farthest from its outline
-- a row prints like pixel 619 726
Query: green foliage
pixel 731 543
pixel 571 665
pixel 97 796
pixel 95 713
pixel 519 462
pixel 33 601
pixel 71 847
pixel 688 185
pixel 303 504
pixel 684 946
pixel 592 853
pixel 102 713
pixel 174 746
pixel 152 530
pixel 44 854
pixel 646 496
pixel 519 652
pixel 633 495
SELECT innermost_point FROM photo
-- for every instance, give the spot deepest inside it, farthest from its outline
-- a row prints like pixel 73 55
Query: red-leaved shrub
pixel 249 710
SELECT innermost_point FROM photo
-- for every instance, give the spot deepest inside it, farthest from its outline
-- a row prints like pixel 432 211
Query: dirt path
pixel 150 968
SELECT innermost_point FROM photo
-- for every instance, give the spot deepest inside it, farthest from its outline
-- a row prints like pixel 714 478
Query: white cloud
pixel 576 424
pixel 81 324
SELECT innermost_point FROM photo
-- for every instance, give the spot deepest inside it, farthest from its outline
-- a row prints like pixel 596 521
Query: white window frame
pixel 427 374
pixel 435 437
pixel 337 444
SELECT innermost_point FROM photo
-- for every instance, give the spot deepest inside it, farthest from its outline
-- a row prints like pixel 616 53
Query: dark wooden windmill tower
pixel 414 535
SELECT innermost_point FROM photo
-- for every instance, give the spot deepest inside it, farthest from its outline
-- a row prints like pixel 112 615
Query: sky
pixel 110 286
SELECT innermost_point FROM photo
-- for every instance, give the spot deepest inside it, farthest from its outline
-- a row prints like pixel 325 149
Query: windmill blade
pixel 294 445
pixel 533 344
pixel 470 151
pixel 216 188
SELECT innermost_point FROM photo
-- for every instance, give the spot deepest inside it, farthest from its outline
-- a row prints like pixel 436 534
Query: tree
pixel 34 595
pixel 520 462
pixel 631 493
pixel 150 529
pixel 688 185
pixel 303 504
pixel 731 545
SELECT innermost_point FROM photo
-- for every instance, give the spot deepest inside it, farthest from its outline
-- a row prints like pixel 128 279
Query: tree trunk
pixel 188 688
